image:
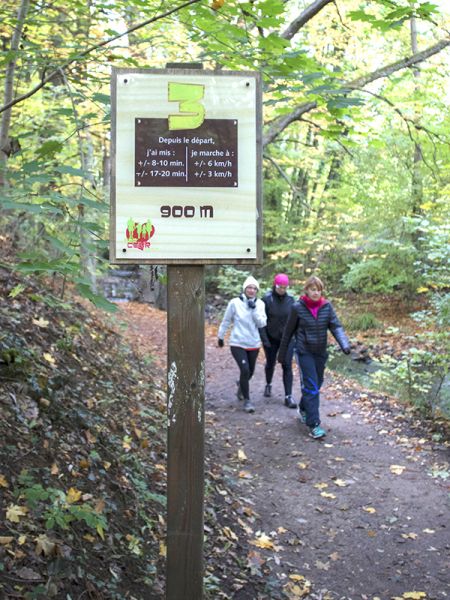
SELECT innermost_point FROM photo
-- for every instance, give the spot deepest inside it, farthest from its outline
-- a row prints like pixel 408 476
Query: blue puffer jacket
pixel 311 334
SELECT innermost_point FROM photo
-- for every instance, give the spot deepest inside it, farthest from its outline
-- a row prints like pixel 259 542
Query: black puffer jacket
pixel 278 309
pixel 310 333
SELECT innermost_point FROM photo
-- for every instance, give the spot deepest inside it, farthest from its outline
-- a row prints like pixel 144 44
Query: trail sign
pixel 186 167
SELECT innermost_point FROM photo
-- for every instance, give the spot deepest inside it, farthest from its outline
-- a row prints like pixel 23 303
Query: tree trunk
pixel 5 144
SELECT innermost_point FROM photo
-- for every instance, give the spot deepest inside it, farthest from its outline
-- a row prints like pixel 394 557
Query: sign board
pixel 186 167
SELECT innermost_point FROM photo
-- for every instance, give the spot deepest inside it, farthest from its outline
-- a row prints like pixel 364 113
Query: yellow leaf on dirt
pixel 162 549
pixel 100 532
pixel 410 536
pixel 40 322
pixel 138 433
pixel 241 455
pixel 100 507
pixel 302 465
pixel 397 469
pixel 296 577
pixel 44 545
pixel 245 475
pixel 14 512
pixel 49 358
pixel 55 469
pixel 414 595
pixel 263 541
pixel 229 533
pixel 90 437
pixel 327 495
pixel 84 463
pixel 371 533
pixel 22 539
pixel 3 482
pixel 73 495
pixel 144 443
pixel 106 465
pixel 340 483
pixel 428 530
pixel 89 537
pixel 321 486
pixel 5 540
pixel 281 530
pixel 369 509
pixel 335 556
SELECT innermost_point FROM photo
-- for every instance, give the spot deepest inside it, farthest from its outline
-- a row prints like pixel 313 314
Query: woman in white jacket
pixel 247 315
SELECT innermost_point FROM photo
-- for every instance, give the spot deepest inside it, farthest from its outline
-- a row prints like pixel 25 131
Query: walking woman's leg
pixel 241 358
pixel 288 376
pixel 310 389
pixel 271 359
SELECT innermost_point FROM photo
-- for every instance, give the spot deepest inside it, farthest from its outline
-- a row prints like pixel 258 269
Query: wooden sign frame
pixel 139 128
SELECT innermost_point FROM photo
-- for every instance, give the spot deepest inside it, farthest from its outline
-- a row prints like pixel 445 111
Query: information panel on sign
pixel 186 167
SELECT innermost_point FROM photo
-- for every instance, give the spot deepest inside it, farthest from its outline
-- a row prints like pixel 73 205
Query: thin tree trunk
pixel 5 146
pixel 416 182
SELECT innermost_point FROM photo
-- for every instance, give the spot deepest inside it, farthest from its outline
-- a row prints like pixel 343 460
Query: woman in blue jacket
pixel 247 316
pixel 309 320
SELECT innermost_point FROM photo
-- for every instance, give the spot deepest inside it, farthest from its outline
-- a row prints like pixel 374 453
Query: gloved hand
pixel 220 343
pixel 251 302
pixel 346 350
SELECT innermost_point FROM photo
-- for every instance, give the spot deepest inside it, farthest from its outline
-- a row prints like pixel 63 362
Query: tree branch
pixel 304 17
pixel 280 124
pixel 50 76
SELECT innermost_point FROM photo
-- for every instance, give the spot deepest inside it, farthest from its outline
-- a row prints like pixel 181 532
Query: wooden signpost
pixel 185 192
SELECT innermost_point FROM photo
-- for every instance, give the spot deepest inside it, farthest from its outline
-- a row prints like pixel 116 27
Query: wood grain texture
pixel 185 442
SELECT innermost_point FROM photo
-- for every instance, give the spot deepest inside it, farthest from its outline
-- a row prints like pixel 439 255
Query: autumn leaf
pixel 15 512
pixel 397 469
pixel 229 534
pixel 49 358
pixel 241 455
pixel 162 549
pixel 3 482
pixel 321 486
pixel 340 483
pixel 410 536
pixel 414 595
pixel 245 475
pixel 44 545
pixel 263 541
pixel 5 540
pixel 369 509
pixel 428 530
pixel 302 465
pixel 40 322
pixel 73 495
pixel 327 495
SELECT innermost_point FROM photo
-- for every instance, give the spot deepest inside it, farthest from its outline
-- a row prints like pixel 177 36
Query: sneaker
pixel 239 394
pixel 302 416
pixel 248 406
pixel 317 432
pixel 290 402
pixel 268 390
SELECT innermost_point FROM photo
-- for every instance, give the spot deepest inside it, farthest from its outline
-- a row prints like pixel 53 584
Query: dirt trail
pixel 363 514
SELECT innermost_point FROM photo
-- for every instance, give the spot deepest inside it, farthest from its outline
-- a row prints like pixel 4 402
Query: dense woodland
pixel 356 175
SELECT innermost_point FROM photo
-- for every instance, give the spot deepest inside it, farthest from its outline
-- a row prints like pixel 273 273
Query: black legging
pixel 246 361
pixel 271 360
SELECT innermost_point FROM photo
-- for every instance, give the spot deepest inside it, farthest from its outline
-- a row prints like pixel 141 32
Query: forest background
pixel 356 141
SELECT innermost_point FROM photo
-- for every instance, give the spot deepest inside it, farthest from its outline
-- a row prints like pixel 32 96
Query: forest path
pixel 362 514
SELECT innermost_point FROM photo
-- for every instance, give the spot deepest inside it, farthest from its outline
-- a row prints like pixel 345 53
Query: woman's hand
pixel 220 343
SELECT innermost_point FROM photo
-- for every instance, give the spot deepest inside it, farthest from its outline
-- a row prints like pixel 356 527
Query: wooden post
pixel 185 437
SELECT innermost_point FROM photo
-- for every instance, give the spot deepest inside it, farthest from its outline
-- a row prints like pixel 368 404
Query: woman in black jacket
pixel 278 306
pixel 309 320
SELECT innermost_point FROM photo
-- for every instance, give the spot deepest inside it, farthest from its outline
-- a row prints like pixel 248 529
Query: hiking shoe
pixel 239 394
pixel 268 390
pixel 301 416
pixel 317 432
pixel 248 406
pixel 290 402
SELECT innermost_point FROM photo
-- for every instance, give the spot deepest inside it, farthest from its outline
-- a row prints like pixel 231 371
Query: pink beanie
pixel 281 279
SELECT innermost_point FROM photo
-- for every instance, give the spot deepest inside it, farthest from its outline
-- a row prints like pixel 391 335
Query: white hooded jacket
pixel 245 320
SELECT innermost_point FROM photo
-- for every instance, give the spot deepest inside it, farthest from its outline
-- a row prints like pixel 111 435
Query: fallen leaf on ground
pixel 411 536
pixel 5 540
pixel 263 541
pixel 327 495
pixel 397 469
pixel 340 483
pixel 321 486
pixel 369 509
pixel 3 482
pixel 241 455
pixel 73 495
pixel 229 533
pixel 44 545
pixel 14 512
pixel 428 530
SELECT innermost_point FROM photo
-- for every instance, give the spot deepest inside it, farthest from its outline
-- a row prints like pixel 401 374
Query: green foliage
pixel 386 267
pixel 226 280
pixel 362 322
